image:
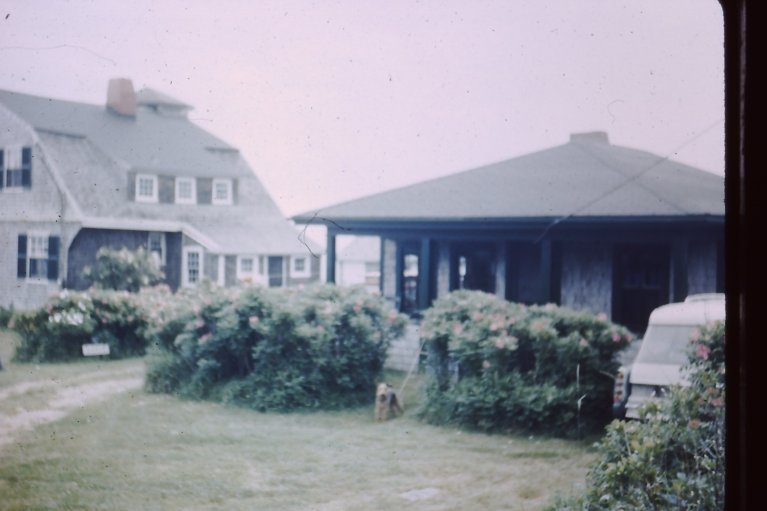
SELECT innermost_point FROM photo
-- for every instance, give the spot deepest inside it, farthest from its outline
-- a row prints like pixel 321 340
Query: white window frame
pixel 222 202
pixel 192 249
pixel 12 162
pixel 300 274
pixel 247 276
pixel 146 198
pixel 192 187
pixel 39 235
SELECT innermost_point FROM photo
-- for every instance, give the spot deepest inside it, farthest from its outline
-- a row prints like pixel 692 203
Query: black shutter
pixel 53 257
pixel 26 167
pixel 2 168
pixel 21 268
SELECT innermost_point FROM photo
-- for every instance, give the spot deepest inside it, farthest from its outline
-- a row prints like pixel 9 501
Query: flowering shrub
pixel 57 331
pixel 123 269
pixel 274 349
pixel 674 459
pixel 496 365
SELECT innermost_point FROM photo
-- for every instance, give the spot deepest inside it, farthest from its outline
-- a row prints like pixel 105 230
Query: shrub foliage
pixel 500 366
pixel 123 269
pixel 270 349
pixel 674 458
pixel 57 331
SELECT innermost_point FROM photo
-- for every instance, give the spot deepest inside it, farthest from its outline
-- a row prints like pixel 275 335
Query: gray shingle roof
pixel 92 150
pixel 583 178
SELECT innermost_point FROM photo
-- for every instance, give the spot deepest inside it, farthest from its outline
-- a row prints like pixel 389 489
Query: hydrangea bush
pixel 674 458
pixel 274 349
pixel 500 366
pixel 123 269
pixel 57 331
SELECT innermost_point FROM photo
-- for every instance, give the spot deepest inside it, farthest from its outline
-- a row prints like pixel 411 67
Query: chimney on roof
pixel 591 136
pixel 121 98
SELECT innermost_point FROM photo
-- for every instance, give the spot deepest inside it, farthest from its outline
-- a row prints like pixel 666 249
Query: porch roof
pixel 587 178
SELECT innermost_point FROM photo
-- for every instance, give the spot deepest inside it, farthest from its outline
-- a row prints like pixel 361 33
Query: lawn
pixel 141 451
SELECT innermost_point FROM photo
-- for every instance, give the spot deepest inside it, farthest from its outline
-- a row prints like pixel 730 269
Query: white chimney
pixel 121 97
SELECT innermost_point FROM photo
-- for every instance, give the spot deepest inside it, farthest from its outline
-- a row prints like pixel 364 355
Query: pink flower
pixel 717 402
pixel 357 308
pixel 702 351
pixel 583 343
pixel 486 364
pixel 602 316
pixel 695 335
pixel 500 343
pixel 205 338
pixel 253 321
pixel 616 337
pixel 199 323
pixel 694 423
pixel 476 316
pixel 457 328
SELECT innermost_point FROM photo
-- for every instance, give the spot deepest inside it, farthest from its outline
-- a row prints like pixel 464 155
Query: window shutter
pixel 53 257
pixel 21 268
pixel 26 167
pixel 2 168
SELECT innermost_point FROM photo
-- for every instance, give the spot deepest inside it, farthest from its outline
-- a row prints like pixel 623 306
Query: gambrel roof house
pixel 586 224
pixel 135 172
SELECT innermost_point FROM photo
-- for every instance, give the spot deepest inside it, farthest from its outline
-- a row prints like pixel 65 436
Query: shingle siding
pixel 85 246
pixel 166 188
pixel 587 276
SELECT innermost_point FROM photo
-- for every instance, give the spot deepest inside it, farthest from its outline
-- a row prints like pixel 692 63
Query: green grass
pixel 139 451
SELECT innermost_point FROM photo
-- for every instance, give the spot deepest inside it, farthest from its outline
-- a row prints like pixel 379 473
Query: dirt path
pixel 68 394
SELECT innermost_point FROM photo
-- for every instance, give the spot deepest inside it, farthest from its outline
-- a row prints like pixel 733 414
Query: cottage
pixel 586 224
pixel 135 172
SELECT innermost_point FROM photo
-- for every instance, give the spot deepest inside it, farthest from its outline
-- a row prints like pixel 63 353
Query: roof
pixel 691 311
pixel 150 140
pixel 90 151
pixel 584 178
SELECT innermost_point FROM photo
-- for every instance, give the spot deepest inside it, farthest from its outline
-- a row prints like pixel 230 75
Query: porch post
pixel 500 270
pixel 545 281
pixel 331 257
pixel 679 262
pixel 424 274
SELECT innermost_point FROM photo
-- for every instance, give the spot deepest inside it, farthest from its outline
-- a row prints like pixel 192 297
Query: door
pixel 275 268
pixel 640 283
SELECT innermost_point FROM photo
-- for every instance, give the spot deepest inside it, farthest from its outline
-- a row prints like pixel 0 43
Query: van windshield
pixel 665 344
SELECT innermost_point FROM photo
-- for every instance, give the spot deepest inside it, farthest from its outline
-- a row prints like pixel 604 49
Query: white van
pixel 663 352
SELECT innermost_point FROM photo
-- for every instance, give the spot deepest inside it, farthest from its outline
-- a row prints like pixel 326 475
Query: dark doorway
pixel 473 267
pixel 275 268
pixel 640 283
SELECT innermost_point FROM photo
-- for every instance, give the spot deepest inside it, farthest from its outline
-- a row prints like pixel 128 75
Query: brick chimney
pixel 121 98
pixel 591 136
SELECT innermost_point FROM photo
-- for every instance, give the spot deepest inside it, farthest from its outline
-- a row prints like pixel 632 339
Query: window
pixel 156 247
pixel 38 256
pixel 222 191
pixel 186 190
pixel 146 188
pixel 15 168
pixel 246 266
pixel 192 270
pixel 300 267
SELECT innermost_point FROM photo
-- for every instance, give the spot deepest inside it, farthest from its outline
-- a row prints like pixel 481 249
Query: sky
pixel 333 100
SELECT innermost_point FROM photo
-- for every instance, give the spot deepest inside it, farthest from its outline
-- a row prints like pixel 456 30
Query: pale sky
pixel 330 101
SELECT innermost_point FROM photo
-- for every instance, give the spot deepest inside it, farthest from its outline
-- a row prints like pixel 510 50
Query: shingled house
pixel 586 224
pixel 135 172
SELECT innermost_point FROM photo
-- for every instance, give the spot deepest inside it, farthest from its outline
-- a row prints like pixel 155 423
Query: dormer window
pixel 222 192
pixel 15 168
pixel 146 188
pixel 186 190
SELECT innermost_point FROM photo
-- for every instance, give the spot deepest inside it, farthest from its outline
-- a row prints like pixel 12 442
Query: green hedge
pixel 57 331
pixel 500 366
pixel 273 349
pixel 674 458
